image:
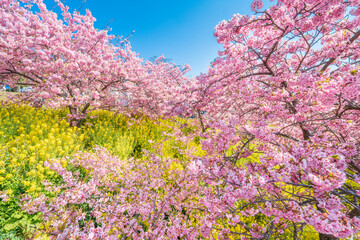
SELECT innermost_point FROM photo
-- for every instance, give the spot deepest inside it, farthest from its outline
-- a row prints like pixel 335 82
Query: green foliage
pixel 14 221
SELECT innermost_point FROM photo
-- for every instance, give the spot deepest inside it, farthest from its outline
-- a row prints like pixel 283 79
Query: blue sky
pixel 180 30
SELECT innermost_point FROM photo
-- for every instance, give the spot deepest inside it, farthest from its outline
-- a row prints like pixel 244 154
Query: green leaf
pixel 10 226
pixel 17 215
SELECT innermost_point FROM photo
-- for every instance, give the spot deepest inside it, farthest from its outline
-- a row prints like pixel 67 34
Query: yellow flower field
pixel 29 137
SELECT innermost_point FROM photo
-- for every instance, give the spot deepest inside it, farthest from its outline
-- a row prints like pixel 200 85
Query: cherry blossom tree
pixel 66 61
pixel 165 90
pixel 69 63
pixel 282 125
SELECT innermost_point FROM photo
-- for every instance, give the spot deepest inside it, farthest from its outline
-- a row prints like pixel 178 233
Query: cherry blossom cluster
pixel 69 63
pixel 104 197
pixel 282 123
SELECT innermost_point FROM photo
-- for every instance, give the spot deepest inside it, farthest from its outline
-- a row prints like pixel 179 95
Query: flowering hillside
pixel 265 145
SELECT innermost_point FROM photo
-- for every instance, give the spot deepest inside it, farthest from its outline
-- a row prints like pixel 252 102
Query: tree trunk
pixel 323 236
